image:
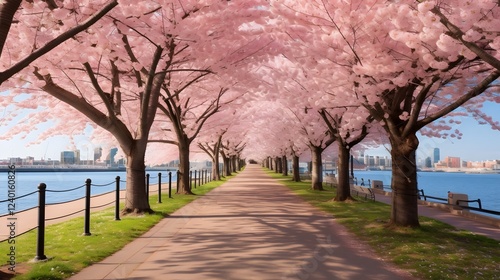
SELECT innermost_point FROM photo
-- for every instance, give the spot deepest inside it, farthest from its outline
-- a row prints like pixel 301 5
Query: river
pixel 483 186
pixel 477 186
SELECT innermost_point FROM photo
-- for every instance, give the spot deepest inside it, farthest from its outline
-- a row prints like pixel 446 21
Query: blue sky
pixel 479 142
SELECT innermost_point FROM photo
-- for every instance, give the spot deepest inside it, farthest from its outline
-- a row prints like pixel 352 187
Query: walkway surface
pixel 251 227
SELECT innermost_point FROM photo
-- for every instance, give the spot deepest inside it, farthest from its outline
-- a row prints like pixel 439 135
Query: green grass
pixel 434 251
pixel 69 251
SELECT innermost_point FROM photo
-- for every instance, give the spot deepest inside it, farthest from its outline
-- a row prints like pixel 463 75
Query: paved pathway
pixel 249 228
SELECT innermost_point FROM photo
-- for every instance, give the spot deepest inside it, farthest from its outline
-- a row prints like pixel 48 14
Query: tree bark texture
pixel 296 169
pixel 227 166
pixel 234 163
pixel 284 166
pixel 343 179
pixel 136 198
pixel 184 179
pixel 278 164
pixel 317 168
pixel 404 182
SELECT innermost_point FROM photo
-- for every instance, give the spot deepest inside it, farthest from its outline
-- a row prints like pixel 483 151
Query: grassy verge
pixel 434 251
pixel 69 251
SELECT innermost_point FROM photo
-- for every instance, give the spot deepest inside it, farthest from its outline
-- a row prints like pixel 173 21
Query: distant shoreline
pixel 63 169
pixel 77 169
pixel 450 170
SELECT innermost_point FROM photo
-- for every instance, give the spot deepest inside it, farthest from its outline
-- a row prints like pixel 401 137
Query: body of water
pixel 483 186
pixel 27 182
pixel 477 186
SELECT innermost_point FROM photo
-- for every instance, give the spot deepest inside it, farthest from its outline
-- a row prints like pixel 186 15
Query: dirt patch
pixel 20 268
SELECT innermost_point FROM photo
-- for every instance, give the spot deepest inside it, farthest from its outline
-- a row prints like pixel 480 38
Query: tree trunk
pixel 7 12
pixel 270 159
pixel 238 163
pixel 136 198
pixel 404 182
pixel 284 166
pixel 296 170
pixel 227 166
pixel 343 182
pixel 234 160
pixel 317 168
pixel 215 170
pixel 279 165
pixel 184 186
pixel 215 163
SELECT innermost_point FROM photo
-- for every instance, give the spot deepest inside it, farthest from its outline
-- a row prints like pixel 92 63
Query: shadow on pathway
pixel 249 228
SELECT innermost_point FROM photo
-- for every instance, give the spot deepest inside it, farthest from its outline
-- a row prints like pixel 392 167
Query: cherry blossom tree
pixel 212 149
pixel 187 117
pixel 349 127
pixel 114 73
pixel 39 27
pixel 404 70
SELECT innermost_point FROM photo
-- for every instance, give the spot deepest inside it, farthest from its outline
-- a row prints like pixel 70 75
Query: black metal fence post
pixel 177 185
pixel 40 255
pixel 159 187
pixel 195 179
pixel 87 207
pixel 199 178
pixel 117 199
pixel 147 185
pixel 169 184
pixel 190 180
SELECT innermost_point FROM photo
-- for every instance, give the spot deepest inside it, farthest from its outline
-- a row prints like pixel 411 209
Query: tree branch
pixel 458 34
pixel 5 75
pixel 477 90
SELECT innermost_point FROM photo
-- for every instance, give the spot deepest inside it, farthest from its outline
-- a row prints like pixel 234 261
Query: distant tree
pixel 349 128
pixel 213 150
pixel 187 116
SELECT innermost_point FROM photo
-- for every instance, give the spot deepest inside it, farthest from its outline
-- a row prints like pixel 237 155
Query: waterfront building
pixel 487 164
pixel 428 162
pixel 436 155
pixel 449 162
pixel 110 159
pixel 16 161
pixel 67 157
pixel 97 153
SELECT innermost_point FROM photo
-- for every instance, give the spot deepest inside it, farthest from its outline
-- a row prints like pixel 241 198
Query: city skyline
pixel 478 143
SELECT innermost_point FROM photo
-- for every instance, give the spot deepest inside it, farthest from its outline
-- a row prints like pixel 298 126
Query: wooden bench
pixel 366 193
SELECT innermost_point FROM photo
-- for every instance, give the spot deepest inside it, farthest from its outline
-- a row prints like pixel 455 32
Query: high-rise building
pixel 436 158
pixel 77 156
pixel 97 153
pixel 112 154
pixel 68 157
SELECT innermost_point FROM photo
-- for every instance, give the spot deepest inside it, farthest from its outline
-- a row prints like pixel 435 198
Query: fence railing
pixel 197 179
pixel 422 196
